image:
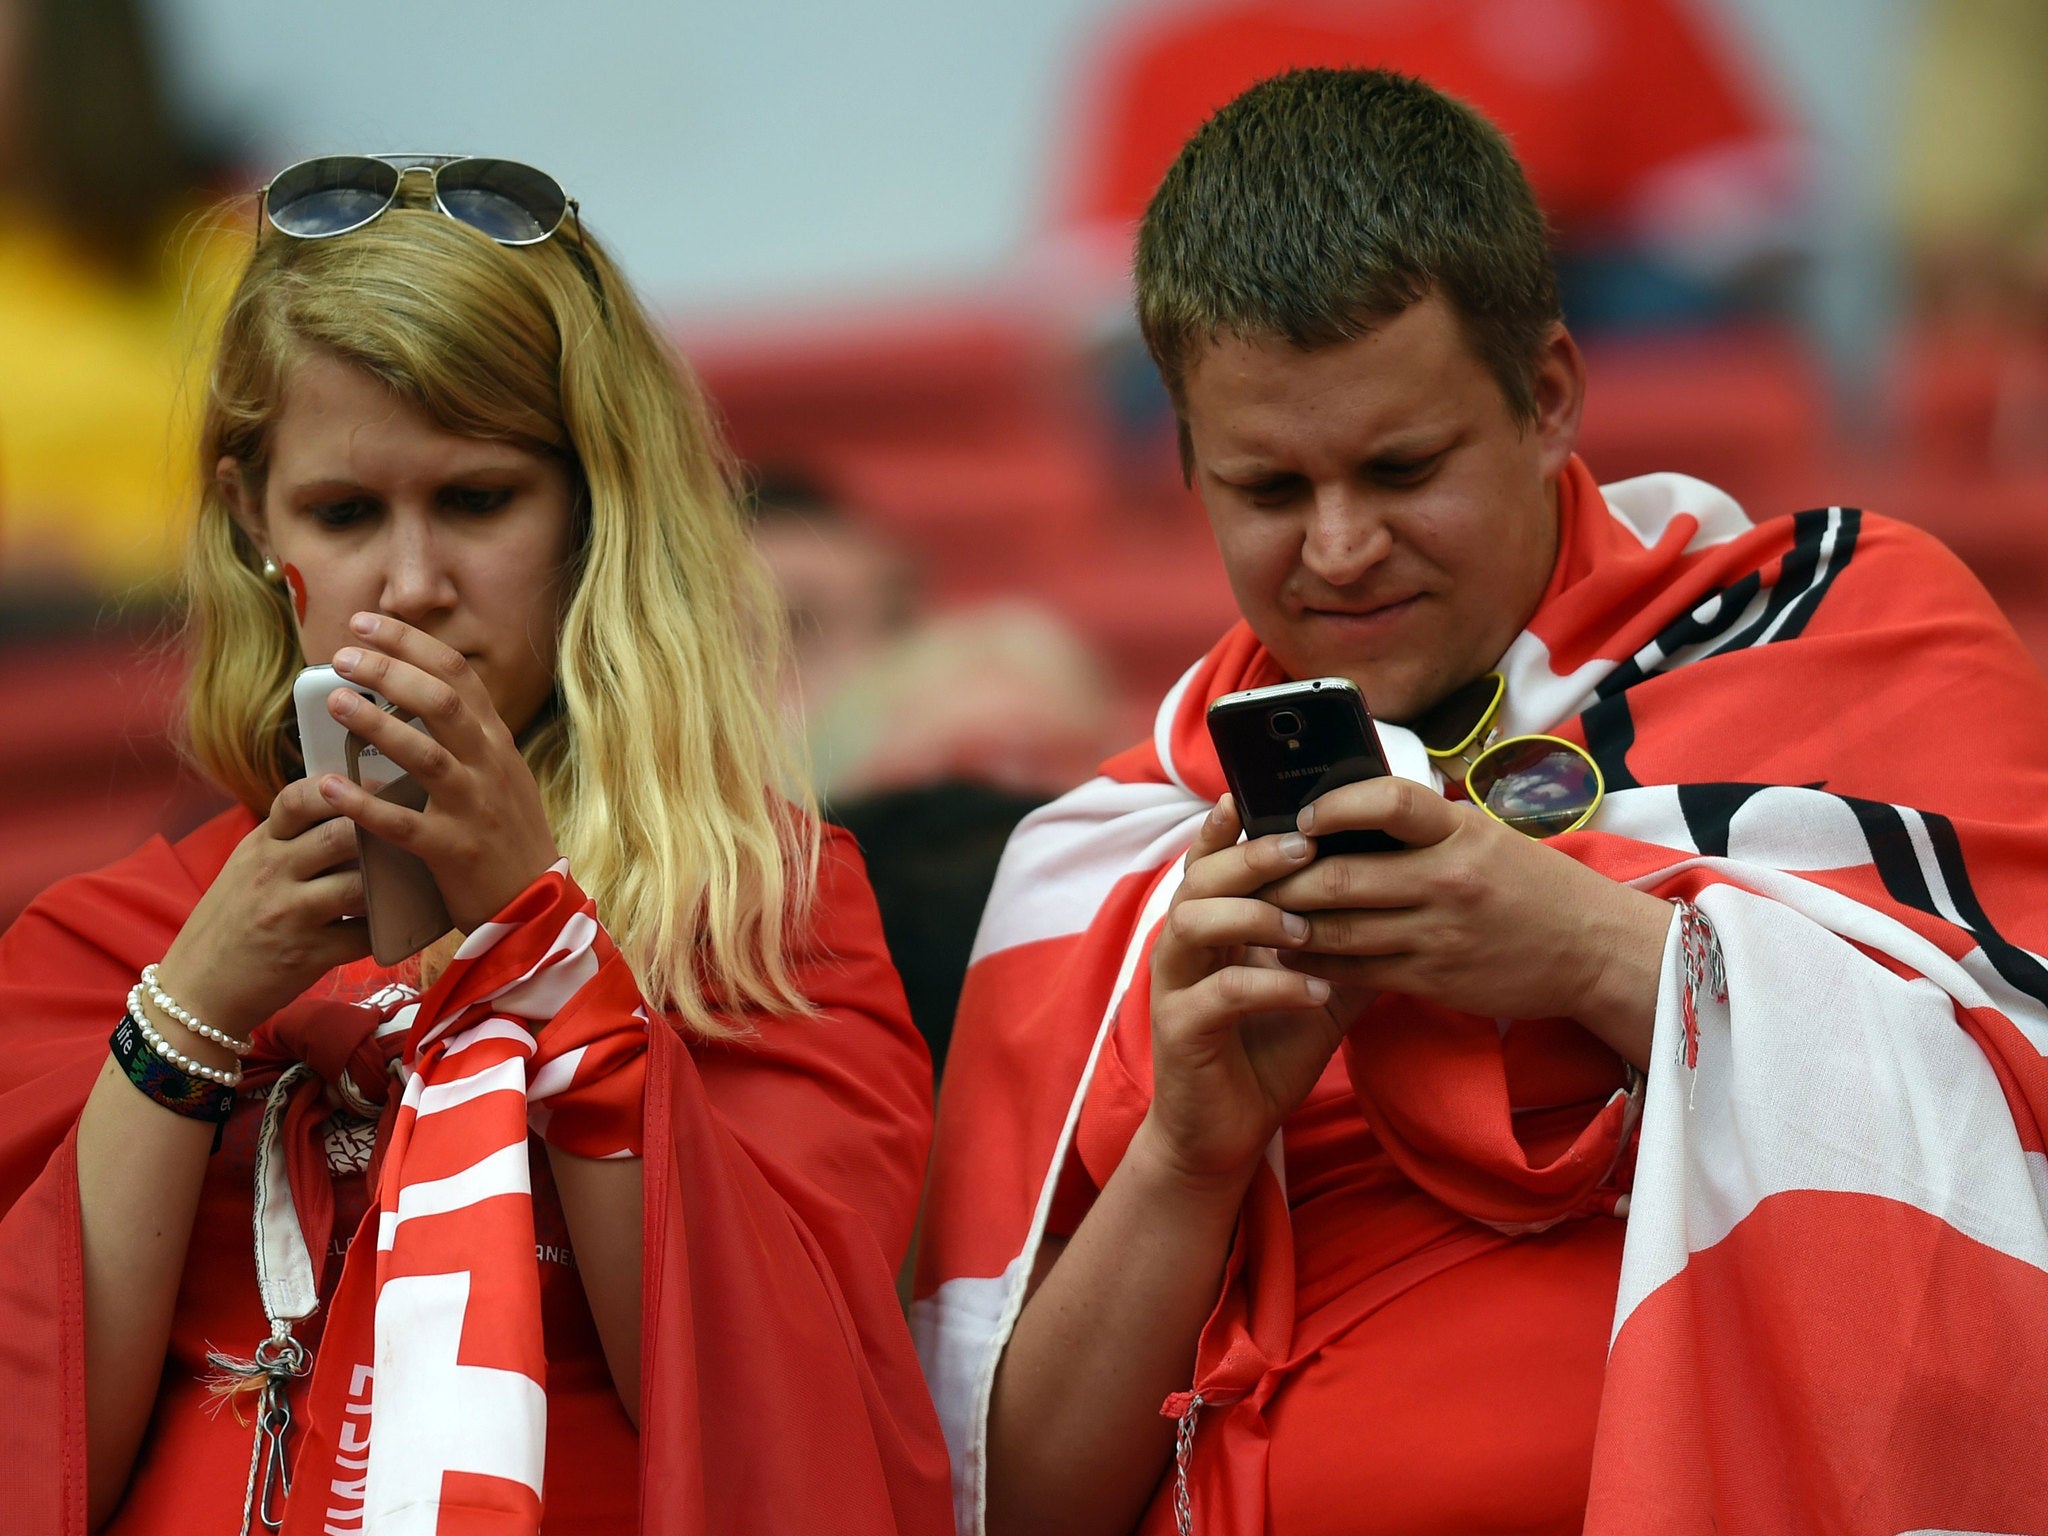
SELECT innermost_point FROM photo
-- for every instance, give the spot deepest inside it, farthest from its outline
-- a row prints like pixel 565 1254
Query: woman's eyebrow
pixel 325 487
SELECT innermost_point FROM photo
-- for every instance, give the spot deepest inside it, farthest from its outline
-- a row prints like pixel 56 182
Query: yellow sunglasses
pixel 1539 785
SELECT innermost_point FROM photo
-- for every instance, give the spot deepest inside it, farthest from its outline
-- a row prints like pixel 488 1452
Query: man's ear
pixel 243 505
pixel 1559 395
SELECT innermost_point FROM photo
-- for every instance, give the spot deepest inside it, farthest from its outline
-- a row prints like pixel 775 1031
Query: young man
pixel 1275 1191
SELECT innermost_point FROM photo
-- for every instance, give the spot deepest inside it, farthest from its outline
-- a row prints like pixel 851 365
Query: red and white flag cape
pixel 778 1389
pixel 1833 1310
pixel 430 1404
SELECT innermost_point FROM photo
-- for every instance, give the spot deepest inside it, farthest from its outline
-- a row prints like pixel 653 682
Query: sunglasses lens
pixel 512 203
pixel 1453 722
pixel 1538 786
pixel 330 196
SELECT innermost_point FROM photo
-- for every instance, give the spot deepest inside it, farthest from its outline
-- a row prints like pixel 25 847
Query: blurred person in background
pixel 890 695
pixel 1675 182
pixel 1003 693
pixel 944 742
pixel 845 591
pixel 930 735
pixel 1665 1159
pixel 108 280
pixel 586 1217
pixel 1672 177
pixel 1973 204
pixel 931 851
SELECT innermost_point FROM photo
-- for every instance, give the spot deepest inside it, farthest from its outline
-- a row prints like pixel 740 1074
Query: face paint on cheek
pixel 296 584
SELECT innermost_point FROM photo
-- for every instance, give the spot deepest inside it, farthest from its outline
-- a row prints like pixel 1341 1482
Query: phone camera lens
pixel 1284 723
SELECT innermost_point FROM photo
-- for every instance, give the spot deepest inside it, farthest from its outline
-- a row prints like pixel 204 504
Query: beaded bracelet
pixel 169 1007
pixel 170 1053
pixel 180 1092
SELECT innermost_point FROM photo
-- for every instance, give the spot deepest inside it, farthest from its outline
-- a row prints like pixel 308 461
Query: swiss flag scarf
pixel 1833 1312
pixel 428 1406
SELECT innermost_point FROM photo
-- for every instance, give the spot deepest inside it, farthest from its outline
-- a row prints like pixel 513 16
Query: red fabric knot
pixel 338 1040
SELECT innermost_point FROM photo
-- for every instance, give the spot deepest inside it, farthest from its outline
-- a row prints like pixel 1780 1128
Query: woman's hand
pixel 268 927
pixel 483 833
pixel 270 924
pixel 1475 916
pixel 1238 1039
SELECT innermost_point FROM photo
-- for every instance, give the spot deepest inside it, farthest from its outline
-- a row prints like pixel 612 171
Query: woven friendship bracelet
pixel 168 1005
pixel 189 1065
pixel 1704 972
pixel 180 1092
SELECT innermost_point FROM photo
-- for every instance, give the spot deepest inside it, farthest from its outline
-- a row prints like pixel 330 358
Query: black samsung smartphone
pixel 1286 745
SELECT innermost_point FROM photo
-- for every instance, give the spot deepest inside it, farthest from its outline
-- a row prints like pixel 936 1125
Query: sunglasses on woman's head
pixel 1539 785
pixel 512 203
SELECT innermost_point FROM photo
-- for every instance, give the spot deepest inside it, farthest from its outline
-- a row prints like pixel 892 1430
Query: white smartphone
pixel 323 740
pixel 400 899
pixel 401 903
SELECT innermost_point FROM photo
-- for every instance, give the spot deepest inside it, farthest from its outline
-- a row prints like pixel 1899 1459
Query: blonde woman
pixel 586 1217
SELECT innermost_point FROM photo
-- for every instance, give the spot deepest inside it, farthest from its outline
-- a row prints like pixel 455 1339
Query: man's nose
pixel 1345 537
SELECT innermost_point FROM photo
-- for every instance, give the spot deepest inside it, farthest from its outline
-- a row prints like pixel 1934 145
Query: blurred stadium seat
pixel 980 441
pixel 87 766
pixel 1744 408
pixel 974 438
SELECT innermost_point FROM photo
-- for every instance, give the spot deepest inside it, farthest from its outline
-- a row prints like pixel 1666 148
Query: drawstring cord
pixel 1183 1452
pixel 280 1359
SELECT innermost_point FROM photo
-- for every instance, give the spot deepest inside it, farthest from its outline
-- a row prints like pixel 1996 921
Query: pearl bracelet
pixel 170 1053
pixel 167 1005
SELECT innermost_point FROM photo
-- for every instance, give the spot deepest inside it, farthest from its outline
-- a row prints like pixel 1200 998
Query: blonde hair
pixel 663 762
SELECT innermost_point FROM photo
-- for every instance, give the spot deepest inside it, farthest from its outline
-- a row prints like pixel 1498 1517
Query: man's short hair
pixel 1323 202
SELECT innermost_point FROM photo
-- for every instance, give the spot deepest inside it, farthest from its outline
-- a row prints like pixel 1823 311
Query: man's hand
pixel 1474 916
pixel 1238 1038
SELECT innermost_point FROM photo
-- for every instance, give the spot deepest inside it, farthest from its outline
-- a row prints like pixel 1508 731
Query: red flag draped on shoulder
pixel 1833 1308
pixel 778 1386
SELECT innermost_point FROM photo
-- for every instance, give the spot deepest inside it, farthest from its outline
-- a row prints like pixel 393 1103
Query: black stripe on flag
pixel 1610 732
pixel 1898 865
pixel 1710 808
pixel 1793 598
pixel 1891 851
pixel 1800 585
pixel 1686 630
pixel 2018 967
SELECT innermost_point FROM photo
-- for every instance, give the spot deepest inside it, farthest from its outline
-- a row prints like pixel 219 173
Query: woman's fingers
pixel 327 845
pixel 425 757
pixel 298 806
pixel 436 658
pixel 419 674
pixel 332 897
pixel 380 818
